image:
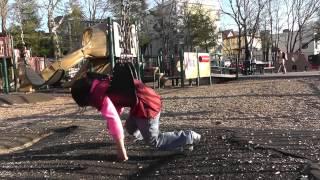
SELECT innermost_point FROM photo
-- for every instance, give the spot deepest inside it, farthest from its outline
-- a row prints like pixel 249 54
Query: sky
pixel 226 21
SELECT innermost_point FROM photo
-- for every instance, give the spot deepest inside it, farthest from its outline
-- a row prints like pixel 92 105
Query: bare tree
pixel 52 6
pixel 3 14
pixel 299 14
pixel 246 14
pixel 136 8
pixel 18 16
pixel 166 22
pixel 234 13
pixel 274 24
pixel 96 10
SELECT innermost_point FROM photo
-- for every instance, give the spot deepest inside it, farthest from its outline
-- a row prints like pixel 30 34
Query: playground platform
pixel 281 75
pixel 229 76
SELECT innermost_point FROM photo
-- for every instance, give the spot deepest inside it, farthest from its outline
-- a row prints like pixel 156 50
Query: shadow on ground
pixel 223 153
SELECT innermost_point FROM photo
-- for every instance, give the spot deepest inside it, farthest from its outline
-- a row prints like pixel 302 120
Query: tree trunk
pixel 3 25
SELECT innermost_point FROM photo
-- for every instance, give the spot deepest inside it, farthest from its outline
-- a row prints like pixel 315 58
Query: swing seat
pixel 36 80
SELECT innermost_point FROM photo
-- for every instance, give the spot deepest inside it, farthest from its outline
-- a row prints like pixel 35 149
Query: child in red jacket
pixel 87 92
pixel 145 110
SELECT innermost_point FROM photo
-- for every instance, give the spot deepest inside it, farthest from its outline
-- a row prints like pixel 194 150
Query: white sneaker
pixel 187 147
pixel 138 136
pixel 195 137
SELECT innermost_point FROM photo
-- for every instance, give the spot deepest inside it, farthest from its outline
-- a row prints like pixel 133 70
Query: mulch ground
pixel 256 129
pixel 20 98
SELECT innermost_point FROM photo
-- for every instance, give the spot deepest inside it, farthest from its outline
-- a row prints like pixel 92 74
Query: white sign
pixel 118 39
pixel 196 64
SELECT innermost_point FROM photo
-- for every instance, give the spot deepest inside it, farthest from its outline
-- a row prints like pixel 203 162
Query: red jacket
pixel 147 106
pixel 148 102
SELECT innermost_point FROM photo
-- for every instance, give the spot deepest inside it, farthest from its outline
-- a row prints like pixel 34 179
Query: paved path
pixel 281 75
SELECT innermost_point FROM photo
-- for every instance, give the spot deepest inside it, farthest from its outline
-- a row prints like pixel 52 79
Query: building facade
pixel 310 44
pixel 230 45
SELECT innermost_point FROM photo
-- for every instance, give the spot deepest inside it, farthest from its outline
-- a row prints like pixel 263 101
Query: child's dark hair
pixel 80 91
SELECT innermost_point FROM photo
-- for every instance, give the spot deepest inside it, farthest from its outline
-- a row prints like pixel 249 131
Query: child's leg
pixel 132 128
pixel 166 140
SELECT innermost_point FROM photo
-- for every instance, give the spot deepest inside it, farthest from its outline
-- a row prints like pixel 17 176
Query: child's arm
pixel 114 125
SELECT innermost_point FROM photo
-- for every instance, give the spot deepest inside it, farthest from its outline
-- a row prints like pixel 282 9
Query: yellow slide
pixel 94 42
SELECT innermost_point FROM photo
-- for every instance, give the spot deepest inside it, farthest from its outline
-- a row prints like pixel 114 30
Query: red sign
pixel 204 58
pixel 5 50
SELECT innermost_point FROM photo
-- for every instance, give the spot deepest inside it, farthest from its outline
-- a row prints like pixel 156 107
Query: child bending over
pixel 143 121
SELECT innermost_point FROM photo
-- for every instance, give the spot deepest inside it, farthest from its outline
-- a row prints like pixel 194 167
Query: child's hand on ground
pixel 122 158
pixel 122 153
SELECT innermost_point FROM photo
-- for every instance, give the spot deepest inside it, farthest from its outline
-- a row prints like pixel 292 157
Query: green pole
pixel 1 74
pixel 139 56
pixel 198 68
pixel 5 76
pixel 181 67
pixel 158 62
pixel 210 77
pixel 110 42
pixel 172 68
pixel 161 63
pixel 15 73
pixel 142 68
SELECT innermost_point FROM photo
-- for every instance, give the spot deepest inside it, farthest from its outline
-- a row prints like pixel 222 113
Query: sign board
pixel 191 62
pixel 5 50
pixel 118 39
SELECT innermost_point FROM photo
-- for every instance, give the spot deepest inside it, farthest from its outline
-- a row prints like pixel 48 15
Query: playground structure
pixel 7 63
pixel 101 48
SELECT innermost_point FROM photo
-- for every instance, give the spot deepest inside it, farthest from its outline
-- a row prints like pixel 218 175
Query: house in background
pixel 230 45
